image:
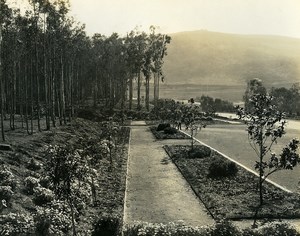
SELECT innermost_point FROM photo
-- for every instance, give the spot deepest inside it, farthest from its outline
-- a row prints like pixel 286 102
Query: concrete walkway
pixel 156 192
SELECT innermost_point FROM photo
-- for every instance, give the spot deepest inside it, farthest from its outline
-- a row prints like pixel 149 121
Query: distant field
pixel 232 140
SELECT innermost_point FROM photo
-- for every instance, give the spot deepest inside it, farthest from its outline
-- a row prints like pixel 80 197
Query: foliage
pixel 174 229
pixel 199 152
pixel 265 125
pixel 163 126
pixel 225 228
pixel 53 219
pixel 170 130
pixel 30 183
pixel 287 100
pixel 210 105
pixel 6 193
pixel 16 224
pixel 221 167
pixel 107 225
pixel 272 228
pixel 42 196
pixel 7 178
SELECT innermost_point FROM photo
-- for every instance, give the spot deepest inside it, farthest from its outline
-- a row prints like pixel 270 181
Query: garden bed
pixel 233 197
pixel 162 135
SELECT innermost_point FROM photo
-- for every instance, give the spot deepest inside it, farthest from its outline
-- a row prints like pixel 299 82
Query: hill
pixel 204 60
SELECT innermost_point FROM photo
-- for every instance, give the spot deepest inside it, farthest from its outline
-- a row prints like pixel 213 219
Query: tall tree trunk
pixel 130 92
pixel 62 94
pixel 139 91
pixel 147 93
pixel 2 86
pixel 47 80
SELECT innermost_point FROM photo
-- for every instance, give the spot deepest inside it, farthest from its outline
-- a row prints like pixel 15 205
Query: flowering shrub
pixel 7 178
pixel 225 228
pixel 6 193
pixel 16 224
pixel 54 219
pixel 277 229
pixel 172 229
pixel 42 195
pixel 30 183
pixel 107 225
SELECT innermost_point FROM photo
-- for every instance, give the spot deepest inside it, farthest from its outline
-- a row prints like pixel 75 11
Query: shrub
pixel 162 126
pixel 199 152
pixel 170 130
pixel 174 229
pixel 6 193
pixel 225 228
pixel 34 165
pixel 42 196
pixel 278 229
pixel 107 226
pixel 31 183
pixel 16 224
pixel 7 179
pixel 220 167
pixel 53 220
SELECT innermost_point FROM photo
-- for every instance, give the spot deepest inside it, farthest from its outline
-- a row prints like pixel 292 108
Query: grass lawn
pixel 232 140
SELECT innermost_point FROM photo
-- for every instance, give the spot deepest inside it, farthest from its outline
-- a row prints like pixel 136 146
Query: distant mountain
pixel 204 58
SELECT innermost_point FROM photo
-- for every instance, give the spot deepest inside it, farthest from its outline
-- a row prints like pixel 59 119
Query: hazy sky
pixel 276 17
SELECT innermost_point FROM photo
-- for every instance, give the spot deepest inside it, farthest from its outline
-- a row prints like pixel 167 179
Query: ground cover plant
pixel 234 196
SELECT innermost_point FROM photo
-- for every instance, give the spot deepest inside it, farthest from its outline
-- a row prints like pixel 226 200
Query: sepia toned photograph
pixel 149 117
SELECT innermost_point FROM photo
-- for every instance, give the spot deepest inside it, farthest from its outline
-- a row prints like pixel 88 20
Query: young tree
pixel 265 125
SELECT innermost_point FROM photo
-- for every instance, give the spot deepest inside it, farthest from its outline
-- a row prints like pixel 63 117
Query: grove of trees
pixel 49 66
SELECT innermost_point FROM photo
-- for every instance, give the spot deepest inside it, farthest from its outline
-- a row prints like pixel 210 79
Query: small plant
pixel 265 125
pixel 222 168
pixel 16 224
pixel 30 183
pixel 42 196
pixel 107 225
pixel 199 152
pixel 53 220
pixel 225 228
pixel 6 193
pixel 7 178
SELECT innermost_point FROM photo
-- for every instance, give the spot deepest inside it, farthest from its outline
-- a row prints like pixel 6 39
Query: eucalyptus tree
pixel 159 47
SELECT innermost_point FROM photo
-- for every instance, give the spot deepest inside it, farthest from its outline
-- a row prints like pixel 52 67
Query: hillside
pixel 203 58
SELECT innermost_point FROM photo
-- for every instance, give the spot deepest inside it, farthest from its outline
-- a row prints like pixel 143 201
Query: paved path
pixel 156 192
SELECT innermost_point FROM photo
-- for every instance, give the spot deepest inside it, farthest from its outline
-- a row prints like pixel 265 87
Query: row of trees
pixel 286 100
pixel 49 66
pixel 211 105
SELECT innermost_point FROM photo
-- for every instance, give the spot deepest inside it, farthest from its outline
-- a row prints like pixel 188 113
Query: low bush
pixel 174 229
pixel 16 224
pixel 199 152
pixel 7 179
pixel 6 193
pixel 107 226
pixel 221 167
pixel 170 130
pixel 162 126
pixel 225 228
pixel 42 196
pixel 30 183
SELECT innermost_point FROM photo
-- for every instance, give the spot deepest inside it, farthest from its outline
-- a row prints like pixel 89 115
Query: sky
pixel 268 17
